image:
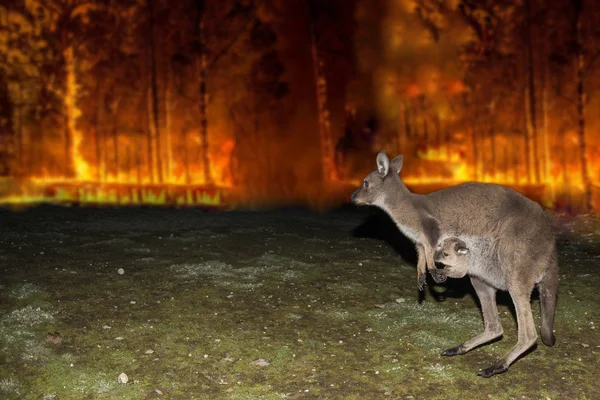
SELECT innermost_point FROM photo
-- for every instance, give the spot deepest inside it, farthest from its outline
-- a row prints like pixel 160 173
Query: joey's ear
pixel 460 249
pixel 396 163
pixel 383 163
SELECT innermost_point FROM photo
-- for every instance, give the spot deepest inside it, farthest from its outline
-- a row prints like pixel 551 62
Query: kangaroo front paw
pixel 438 277
pixel 454 351
pixel 422 281
pixel 495 369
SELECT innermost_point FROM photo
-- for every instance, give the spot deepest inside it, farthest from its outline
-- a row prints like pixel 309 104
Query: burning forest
pixel 243 102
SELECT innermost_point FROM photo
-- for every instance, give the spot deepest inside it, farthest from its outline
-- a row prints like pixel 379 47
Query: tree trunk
pixel 581 100
pixel 186 155
pixel 565 165
pixel 98 135
pixel 148 128
pixel 329 168
pixel 527 138
pixel 155 125
pixel 546 159
pixel 532 148
pixel 68 105
pixel 115 137
pixel 202 69
pixel 167 90
pixel 474 139
pixel 20 157
pixel 408 128
pixel 438 133
pixel 492 139
pixel 208 180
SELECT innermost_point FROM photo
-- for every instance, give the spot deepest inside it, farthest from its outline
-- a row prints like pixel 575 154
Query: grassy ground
pixel 286 304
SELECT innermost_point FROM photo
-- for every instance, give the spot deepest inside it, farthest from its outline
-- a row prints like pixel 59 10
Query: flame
pixel 82 169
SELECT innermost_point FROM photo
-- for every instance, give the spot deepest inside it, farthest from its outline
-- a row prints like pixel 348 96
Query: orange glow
pixel 413 90
pixel 131 183
pixel 456 87
pixel 82 169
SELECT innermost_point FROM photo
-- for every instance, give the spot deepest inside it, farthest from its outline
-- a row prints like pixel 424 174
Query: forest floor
pixel 265 305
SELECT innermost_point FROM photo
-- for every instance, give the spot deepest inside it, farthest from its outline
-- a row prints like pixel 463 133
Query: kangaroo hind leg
pixel 548 289
pixel 491 319
pixel 527 335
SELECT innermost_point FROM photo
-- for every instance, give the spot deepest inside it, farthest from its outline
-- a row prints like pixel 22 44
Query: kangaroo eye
pixel 365 184
pixel 445 254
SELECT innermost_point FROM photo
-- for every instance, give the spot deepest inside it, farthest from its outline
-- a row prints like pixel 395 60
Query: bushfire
pixel 236 102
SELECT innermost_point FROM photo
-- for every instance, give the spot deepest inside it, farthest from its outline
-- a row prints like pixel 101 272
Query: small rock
pixel 123 378
pixel 149 351
pixel 260 362
pixel 106 327
pixel 400 300
pixel 121 271
pixel 158 392
pixel 585 345
pixel 119 338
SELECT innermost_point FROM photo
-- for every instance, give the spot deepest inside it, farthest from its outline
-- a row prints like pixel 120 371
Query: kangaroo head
pixel 381 183
pixel 452 253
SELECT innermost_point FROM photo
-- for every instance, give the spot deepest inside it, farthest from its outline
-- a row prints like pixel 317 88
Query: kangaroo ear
pixel 460 249
pixel 397 163
pixel 383 163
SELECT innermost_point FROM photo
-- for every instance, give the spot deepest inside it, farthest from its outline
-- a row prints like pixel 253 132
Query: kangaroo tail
pixel 548 289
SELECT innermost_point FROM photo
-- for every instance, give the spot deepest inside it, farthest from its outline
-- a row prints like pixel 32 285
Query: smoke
pixel 417 52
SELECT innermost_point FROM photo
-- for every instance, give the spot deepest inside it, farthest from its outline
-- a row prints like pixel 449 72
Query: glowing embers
pixel 118 194
pixel 124 194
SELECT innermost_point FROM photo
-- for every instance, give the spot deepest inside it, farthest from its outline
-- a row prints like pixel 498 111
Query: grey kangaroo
pixel 501 262
pixel 524 236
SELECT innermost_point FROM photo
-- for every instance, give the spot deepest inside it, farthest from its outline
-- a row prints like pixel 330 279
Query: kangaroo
pixel 503 263
pixel 474 210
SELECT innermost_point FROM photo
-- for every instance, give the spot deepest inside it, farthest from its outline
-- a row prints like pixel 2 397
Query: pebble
pixel 123 378
pixel 121 271
pixel 260 362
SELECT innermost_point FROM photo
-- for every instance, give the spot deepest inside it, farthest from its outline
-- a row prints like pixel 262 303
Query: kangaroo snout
pixel 353 195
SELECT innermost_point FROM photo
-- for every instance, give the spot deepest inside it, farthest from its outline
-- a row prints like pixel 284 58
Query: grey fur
pixel 509 237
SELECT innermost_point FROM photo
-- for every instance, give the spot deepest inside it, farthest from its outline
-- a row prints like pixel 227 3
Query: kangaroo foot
pixel 454 351
pixel 495 369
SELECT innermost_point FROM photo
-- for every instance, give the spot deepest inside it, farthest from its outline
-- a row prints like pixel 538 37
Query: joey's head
pixel 452 256
pixel 381 183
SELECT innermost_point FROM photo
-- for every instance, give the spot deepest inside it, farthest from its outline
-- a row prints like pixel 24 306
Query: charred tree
pixel 155 120
pixel 330 171
pixel 167 120
pixel 68 106
pixel 530 93
pixel 7 133
pixel 581 102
